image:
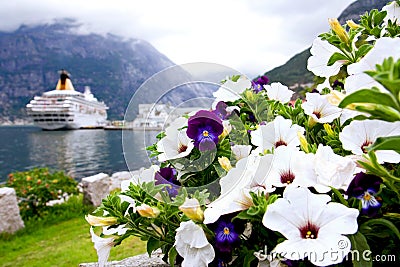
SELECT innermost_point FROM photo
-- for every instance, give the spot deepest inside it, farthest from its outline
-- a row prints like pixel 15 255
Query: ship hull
pixel 77 121
pixel 66 113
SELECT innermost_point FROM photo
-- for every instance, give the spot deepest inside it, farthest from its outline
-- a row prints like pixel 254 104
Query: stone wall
pixel 98 186
pixel 142 260
pixel 10 219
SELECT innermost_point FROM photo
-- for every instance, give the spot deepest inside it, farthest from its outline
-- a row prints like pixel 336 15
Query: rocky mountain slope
pixel 114 68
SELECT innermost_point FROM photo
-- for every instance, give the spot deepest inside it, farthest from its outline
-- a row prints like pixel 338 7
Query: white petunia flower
pixel 321 51
pixel 279 92
pixel 241 151
pixel 393 13
pixel 145 176
pixel 102 246
pixel 192 244
pixel 359 134
pixel 312 226
pixel 291 166
pixel 384 47
pixel 230 90
pixel 318 107
pixel 332 170
pixel 175 144
pixel 335 97
pixel 248 175
pixel 276 133
pixel 120 230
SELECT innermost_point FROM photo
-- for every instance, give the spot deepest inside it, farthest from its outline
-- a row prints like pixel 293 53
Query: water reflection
pixel 134 148
pixel 76 152
pixel 79 153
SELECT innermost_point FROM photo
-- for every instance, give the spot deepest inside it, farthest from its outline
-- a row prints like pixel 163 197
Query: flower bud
pixel 352 24
pixel 146 211
pixel 328 129
pixel 311 122
pixel 339 30
pixel 100 221
pixel 225 163
pixel 303 142
pixel 250 95
pixel 191 208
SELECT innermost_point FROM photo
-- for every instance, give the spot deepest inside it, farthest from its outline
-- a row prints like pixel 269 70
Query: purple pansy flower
pixel 225 237
pixel 365 187
pixel 204 128
pixel 259 83
pixel 220 110
pixel 168 176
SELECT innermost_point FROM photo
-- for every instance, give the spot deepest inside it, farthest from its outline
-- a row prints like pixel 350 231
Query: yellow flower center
pixel 205 133
pixel 367 196
pixel 226 231
pixel 309 235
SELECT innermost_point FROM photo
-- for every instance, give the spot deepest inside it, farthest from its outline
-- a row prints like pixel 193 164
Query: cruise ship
pixel 65 108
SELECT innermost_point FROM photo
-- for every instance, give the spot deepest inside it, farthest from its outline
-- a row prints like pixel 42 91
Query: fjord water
pixel 79 153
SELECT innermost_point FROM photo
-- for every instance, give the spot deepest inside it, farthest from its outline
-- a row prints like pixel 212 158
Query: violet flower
pixel 365 187
pixel 168 176
pixel 220 110
pixel 226 239
pixel 204 128
pixel 258 84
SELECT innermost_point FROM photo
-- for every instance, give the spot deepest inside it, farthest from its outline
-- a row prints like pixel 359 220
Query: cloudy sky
pixel 252 36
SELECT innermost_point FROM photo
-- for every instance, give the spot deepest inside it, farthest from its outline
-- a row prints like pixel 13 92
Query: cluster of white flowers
pixel 279 157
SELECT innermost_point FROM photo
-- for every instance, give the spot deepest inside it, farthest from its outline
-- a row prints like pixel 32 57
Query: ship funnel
pixel 64 83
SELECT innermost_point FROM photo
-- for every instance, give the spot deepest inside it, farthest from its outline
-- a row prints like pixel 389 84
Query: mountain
pixel 294 72
pixel 31 56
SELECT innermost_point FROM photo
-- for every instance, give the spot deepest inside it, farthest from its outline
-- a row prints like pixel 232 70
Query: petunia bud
pixel 100 221
pixel 303 142
pixel 148 212
pixel 328 129
pixel 339 30
pixel 191 208
pixel 311 122
pixel 352 24
pixel 225 163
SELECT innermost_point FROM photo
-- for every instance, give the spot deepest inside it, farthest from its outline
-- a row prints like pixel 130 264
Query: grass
pixel 61 239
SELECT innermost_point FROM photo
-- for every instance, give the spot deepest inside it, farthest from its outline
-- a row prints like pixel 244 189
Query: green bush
pixel 36 187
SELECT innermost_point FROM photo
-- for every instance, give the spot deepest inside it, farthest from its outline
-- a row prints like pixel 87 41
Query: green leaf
pixel 359 243
pixel 363 50
pixel 244 216
pixel 368 96
pixel 340 196
pixel 336 57
pixel 386 143
pixel 172 256
pixel 386 223
pixel 380 112
pixel 153 244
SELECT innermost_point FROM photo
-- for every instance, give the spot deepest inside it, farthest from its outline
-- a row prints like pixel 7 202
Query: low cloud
pixel 251 36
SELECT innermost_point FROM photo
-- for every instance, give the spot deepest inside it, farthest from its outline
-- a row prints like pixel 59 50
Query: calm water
pixel 79 153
